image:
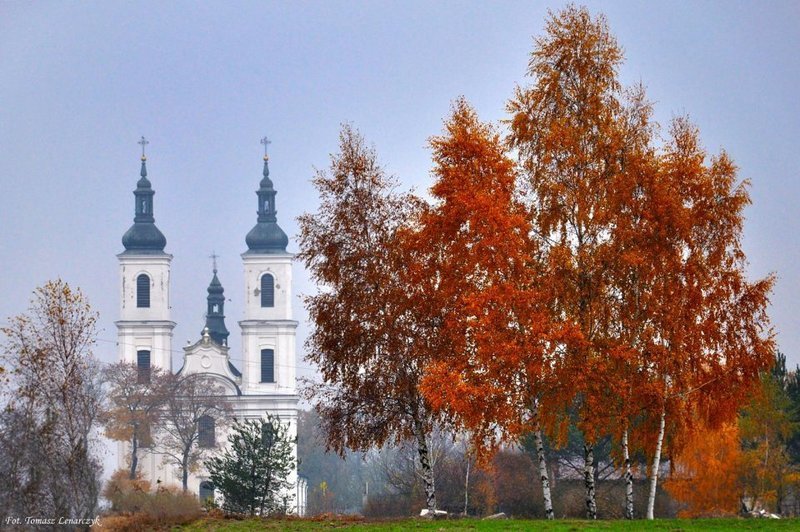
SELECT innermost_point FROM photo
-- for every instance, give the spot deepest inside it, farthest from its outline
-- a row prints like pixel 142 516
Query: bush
pixel 135 507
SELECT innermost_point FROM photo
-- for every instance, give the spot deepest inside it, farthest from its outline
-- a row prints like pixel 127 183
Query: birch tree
pixel 472 253
pixel 369 345
pixel 566 130
pixel 712 335
pixel 643 249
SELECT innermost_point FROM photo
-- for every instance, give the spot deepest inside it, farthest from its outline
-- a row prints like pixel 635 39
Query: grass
pixel 567 525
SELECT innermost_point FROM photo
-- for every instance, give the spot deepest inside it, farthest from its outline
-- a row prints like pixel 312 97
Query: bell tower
pixel 268 330
pixel 144 331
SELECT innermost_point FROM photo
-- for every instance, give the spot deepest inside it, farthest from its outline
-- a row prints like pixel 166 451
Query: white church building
pixel 266 381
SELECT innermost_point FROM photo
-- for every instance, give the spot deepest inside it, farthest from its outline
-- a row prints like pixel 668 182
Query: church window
pixel 267 365
pixel 206 491
pixel 143 291
pixel 143 364
pixel 205 432
pixel 267 290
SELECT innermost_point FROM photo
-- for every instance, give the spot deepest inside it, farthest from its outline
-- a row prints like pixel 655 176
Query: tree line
pixel 571 267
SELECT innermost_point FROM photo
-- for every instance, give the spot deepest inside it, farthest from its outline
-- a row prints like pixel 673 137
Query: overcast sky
pixel 80 82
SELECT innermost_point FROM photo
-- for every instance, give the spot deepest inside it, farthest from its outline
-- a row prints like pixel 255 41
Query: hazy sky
pixel 80 82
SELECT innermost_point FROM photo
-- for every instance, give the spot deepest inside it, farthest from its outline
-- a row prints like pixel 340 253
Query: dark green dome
pixel 266 236
pixel 143 236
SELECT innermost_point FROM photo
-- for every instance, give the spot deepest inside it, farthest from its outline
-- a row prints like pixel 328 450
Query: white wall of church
pixel 157 268
pixel 280 267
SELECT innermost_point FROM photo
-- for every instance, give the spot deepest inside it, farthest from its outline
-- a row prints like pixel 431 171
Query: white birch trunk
pixel 427 470
pixel 588 479
pixel 628 477
pixel 466 486
pixel 651 499
pixel 543 476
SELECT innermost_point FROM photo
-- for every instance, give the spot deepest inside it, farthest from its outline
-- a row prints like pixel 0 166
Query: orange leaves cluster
pixel 640 246
pixel 706 473
pixel 478 262
pixel 366 342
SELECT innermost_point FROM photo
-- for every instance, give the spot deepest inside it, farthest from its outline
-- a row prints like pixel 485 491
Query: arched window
pixel 267 290
pixel 143 364
pixel 205 432
pixel 143 291
pixel 206 491
pixel 267 365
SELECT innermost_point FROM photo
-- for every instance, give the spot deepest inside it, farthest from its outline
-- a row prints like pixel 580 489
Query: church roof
pixel 266 236
pixel 143 237
pixel 215 315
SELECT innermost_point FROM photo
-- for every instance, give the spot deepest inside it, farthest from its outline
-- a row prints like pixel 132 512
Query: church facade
pixel 265 382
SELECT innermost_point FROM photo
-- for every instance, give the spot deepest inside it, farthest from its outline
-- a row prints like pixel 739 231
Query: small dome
pixel 144 237
pixel 267 237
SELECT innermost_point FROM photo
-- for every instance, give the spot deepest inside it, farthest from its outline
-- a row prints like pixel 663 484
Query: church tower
pixel 144 331
pixel 215 314
pixel 268 330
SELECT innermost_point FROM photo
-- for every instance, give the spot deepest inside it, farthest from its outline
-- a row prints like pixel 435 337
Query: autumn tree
pixel 565 128
pixel 194 412
pixel 134 407
pixel 705 476
pixel 48 447
pixel 642 251
pixel 366 340
pixel 711 336
pixel 472 255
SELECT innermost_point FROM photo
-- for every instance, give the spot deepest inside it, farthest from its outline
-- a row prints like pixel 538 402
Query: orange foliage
pixel 368 340
pixel 641 247
pixel 474 260
pixel 706 473
pixel 362 341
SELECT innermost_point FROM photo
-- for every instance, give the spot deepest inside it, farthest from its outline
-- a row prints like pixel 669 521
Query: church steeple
pixel 215 316
pixel 266 236
pixel 143 236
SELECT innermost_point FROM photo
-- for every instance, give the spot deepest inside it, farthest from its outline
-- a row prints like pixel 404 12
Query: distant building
pixel 266 380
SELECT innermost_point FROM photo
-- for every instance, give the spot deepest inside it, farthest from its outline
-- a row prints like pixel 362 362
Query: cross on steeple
pixel 144 142
pixel 266 142
pixel 214 258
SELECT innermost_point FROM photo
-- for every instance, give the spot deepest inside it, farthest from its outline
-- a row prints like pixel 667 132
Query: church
pixel 266 380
